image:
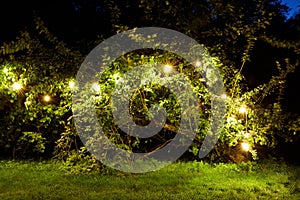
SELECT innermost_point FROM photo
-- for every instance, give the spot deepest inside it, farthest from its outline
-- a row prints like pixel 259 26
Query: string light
pixel 223 96
pixel 47 98
pixel 96 87
pixel 243 110
pixel 168 69
pixel 16 86
pixel 72 84
pixel 198 64
pixel 245 146
pixel 5 70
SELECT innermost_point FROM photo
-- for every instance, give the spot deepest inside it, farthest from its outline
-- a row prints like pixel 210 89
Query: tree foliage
pixel 43 65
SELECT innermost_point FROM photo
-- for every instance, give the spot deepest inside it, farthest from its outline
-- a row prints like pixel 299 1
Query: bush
pixel 37 66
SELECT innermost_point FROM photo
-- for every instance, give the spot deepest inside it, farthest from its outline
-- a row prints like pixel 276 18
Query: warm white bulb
pixel 198 64
pixel 96 87
pixel 47 98
pixel 72 84
pixel 17 86
pixel 243 110
pixel 5 70
pixel 168 69
pixel 245 146
pixel 223 96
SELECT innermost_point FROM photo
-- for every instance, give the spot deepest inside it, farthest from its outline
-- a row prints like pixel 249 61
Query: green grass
pixel 194 180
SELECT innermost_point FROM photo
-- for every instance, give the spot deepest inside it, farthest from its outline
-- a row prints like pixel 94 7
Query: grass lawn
pixel 193 180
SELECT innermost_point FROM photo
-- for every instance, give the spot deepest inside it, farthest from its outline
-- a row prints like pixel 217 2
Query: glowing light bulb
pixel 96 87
pixel 47 98
pixel 223 96
pixel 242 110
pixel 72 84
pixel 198 64
pixel 17 86
pixel 168 69
pixel 245 146
pixel 5 70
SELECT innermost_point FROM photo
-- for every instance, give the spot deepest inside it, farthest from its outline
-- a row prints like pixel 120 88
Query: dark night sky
pixel 16 14
pixel 293 6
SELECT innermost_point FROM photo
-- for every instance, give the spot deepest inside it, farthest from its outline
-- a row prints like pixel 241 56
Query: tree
pixel 35 71
pixel 230 31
